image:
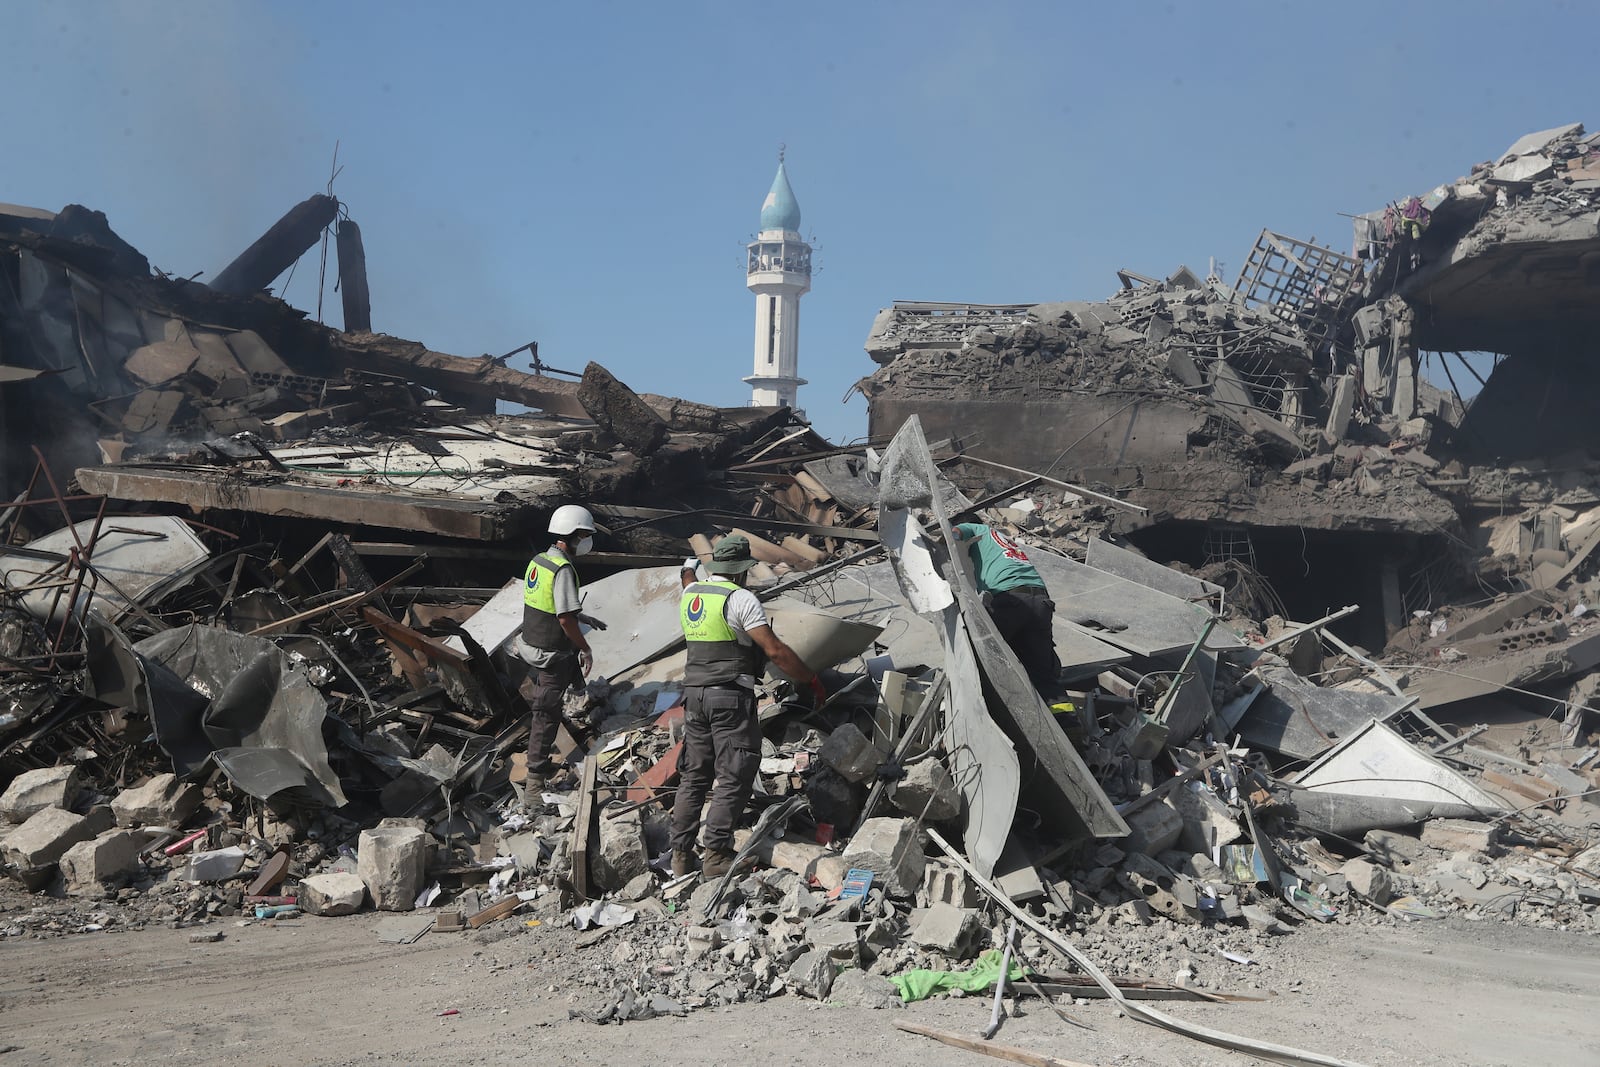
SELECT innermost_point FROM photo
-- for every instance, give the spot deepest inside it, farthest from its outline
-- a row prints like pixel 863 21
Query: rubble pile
pixel 256 650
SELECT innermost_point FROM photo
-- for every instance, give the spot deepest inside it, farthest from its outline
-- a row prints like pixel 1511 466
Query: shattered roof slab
pixel 204 488
pixel 1125 613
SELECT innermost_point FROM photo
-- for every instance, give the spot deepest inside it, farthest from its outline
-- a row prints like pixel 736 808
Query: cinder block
pixel 1459 835
pixel 1153 829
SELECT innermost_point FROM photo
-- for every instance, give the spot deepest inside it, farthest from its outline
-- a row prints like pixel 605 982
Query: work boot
pixel 717 862
pixel 682 862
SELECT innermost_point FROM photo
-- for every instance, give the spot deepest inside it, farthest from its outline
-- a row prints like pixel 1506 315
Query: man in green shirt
pixel 1017 600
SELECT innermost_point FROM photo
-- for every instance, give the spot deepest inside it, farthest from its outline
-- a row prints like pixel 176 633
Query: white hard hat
pixel 569 518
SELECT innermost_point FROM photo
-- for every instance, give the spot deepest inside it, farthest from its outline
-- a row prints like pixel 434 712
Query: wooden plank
pixel 344 602
pixel 988 1048
pixel 1531 788
pixel 400 633
pixel 494 912
pixel 583 827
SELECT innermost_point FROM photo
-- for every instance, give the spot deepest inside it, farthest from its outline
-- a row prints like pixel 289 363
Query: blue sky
pixel 587 174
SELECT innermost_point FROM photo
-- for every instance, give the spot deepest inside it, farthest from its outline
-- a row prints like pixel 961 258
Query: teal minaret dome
pixel 778 272
pixel 780 210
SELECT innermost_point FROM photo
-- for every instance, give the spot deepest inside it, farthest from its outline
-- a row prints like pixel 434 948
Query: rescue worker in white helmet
pixel 552 640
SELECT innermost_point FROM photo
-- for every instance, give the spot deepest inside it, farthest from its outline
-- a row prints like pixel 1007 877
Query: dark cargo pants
pixel 544 690
pixel 721 755
pixel 1025 619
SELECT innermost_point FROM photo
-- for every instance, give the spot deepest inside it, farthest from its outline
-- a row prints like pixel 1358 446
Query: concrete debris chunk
pixel 110 857
pixel 849 751
pixel 46 835
pixel 32 791
pixel 855 988
pixel 1153 829
pixel 1459 835
pixel 812 975
pixel 333 893
pixel 948 930
pixel 892 850
pixel 927 792
pixel 391 861
pixel 159 801
pixel 620 855
pixel 1368 879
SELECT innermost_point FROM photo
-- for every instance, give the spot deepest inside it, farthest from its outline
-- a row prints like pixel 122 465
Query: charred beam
pixel 276 250
pixel 353 277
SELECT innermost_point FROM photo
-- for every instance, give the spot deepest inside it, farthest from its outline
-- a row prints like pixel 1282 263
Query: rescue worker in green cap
pixel 730 642
pixel 552 640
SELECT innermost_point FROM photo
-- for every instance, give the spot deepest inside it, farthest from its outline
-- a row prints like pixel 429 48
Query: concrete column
pixel 1394 616
pixel 1341 407
pixel 1373 381
pixel 1293 410
pixel 1405 386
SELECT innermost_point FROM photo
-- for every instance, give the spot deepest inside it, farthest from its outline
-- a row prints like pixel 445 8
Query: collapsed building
pixel 1282 419
pixel 258 580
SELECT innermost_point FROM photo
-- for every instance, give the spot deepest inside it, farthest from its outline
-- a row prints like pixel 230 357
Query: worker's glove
pixel 819 692
pixel 692 563
pixel 585 662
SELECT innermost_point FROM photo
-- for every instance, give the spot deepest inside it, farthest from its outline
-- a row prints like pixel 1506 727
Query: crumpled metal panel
pixel 259 699
pixel 138 558
pixel 820 638
pixel 639 608
pixel 123 678
pixel 983 762
pixel 1059 783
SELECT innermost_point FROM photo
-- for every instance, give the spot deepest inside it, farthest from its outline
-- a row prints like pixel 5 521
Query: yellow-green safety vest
pixel 717 654
pixel 540 627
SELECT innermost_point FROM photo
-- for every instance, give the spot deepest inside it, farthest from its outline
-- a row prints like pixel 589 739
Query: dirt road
pixel 325 992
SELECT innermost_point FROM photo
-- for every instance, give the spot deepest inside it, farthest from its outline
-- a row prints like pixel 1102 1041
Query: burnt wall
pixel 1535 406
pixel 1099 438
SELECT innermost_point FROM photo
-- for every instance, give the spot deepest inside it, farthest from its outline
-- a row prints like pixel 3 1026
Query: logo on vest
pixel 533 578
pixel 697 608
pixel 1011 549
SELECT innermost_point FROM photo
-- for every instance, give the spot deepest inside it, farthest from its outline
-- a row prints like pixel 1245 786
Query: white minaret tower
pixel 779 273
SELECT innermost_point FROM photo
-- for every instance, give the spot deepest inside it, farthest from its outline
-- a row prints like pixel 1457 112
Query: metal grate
pixel 1227 543
pixel 1303 284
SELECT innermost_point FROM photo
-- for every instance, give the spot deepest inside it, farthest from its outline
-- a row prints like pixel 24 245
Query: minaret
pixel 779 273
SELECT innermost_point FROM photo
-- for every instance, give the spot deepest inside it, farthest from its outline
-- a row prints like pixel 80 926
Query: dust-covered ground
pixel 325 991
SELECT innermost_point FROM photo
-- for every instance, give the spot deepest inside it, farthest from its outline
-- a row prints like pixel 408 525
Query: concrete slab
pixel 1114 559
pixel 1295 718
pixel 1125 613
pixel 1545 663
pixel 1537 141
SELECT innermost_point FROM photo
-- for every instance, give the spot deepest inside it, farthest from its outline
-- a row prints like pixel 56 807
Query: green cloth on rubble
pixel 920 985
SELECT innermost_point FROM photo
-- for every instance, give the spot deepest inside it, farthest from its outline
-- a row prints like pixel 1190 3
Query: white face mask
pixel 583 547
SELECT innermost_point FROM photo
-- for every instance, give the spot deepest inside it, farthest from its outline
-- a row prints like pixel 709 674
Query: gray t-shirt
pixel 744 613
